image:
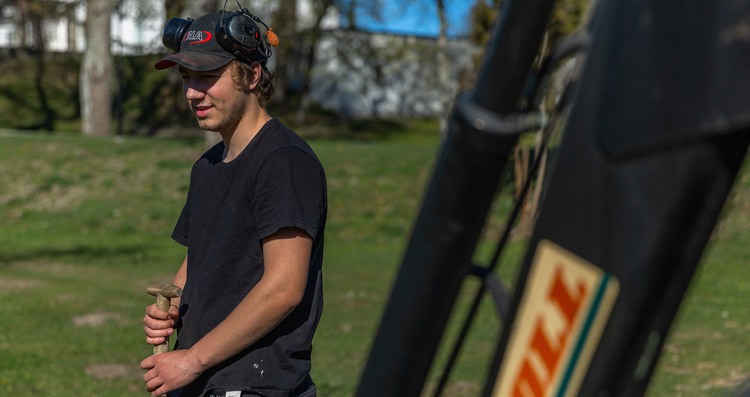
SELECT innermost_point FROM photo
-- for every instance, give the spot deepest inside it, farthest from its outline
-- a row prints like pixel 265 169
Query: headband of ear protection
pixel 239 33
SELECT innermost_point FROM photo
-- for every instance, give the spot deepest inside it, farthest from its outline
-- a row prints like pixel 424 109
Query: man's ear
pixel 257 72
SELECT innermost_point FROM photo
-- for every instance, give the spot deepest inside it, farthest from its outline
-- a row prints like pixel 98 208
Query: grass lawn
pixel 86 224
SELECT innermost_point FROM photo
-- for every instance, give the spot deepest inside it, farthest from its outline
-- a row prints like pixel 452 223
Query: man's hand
pixel 169 371
pixel 159 325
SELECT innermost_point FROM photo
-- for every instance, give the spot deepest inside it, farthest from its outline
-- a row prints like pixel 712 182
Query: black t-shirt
pixel 276 182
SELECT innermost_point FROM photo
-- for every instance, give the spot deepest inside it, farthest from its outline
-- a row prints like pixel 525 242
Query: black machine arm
pixel 658 129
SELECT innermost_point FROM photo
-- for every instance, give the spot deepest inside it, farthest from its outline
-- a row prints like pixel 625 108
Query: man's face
pixel 218 104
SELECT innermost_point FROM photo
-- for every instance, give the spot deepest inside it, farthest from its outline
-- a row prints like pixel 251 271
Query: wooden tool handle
pixel 163 304
pixel 164 293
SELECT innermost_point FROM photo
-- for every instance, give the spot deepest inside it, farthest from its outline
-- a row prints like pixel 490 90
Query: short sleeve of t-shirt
pixel 179 233
pixel 289 192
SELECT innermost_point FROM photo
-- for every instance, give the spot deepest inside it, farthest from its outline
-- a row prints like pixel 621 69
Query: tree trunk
pixel 38 49
pixel 321 9
pixel 197 8
pixel 443 66
pixel 284 23
pixel 97 70
pixel 19 25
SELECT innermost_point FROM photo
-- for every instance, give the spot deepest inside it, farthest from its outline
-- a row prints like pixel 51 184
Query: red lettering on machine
pixel 566 304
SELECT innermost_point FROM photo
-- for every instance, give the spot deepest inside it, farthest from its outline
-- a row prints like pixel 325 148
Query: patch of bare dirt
pixel 96 319
pixel 53 268
pixel 113 371
pixel 734 379
pixel 462 389
pixel 10 284
pixel 58 198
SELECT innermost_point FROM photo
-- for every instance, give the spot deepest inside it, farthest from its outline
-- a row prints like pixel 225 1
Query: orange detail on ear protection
pixel 273 40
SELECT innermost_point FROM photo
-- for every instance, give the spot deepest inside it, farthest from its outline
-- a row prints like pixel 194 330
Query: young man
pixel 253 225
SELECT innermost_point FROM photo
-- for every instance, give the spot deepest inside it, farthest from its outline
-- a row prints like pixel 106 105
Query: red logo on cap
pixel 198 36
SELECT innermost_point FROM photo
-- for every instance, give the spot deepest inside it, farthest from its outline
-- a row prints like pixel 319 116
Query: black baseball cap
pixel 199 49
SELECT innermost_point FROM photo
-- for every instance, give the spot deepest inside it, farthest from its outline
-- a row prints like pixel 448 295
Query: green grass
pixel 86 224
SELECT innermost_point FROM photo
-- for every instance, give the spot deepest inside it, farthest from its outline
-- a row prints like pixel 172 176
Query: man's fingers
pixel 174 311
pixel 157 336
pixel 158 325
pixel 156 387
pixel 154 384
pixel 147 364
pixel 155 312
pixel 155 341
pixel 162 390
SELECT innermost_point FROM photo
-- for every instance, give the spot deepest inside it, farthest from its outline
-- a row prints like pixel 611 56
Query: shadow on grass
pixel 326 125
pixel 356 130
pixel 79 253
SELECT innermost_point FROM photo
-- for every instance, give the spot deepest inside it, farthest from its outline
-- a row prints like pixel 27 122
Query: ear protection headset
pixel 238 33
